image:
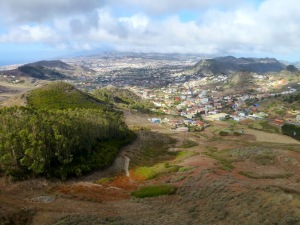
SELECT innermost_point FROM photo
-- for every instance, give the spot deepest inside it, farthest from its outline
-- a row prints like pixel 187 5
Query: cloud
pixel 270 27
pixel 173 6
pixel 29 34
pixel 41 10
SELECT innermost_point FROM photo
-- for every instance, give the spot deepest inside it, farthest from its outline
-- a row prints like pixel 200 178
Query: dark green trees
pixel 64 132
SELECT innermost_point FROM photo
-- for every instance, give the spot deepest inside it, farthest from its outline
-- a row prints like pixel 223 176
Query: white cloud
pixel 23 11
pixel 29 34
pixel 272 27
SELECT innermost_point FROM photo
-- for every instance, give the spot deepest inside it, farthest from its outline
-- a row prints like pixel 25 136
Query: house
pixel 199 123
pixel 155 120
pixel 183 129
pixel 278 122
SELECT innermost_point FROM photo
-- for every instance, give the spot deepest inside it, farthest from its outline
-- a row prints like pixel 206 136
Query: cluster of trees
pixel 292 98
pixel 291 130
pixel 59 143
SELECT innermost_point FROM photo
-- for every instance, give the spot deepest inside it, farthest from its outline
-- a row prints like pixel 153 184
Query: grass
pixel 104 181
pixel 186 168
pixel 265 159
pixel 177 179
pixel 153 191
pixel 264 176
pixel 152 148
pixel 188 144
pixel 263 125
pixel 225 164
pixel 152 172
pixel 60 95
pixel 185 155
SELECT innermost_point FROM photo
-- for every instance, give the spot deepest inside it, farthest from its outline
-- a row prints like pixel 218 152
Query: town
pixel 196 105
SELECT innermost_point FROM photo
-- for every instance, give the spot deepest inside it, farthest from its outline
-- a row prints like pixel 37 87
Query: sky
pixel 37 29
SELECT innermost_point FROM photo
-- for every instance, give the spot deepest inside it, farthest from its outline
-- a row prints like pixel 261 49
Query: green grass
pixel 104 181
pixel 225 164
pixel 153 191
pixel 264 176
pixel 182 155
pixel 152 172
pixel 263 125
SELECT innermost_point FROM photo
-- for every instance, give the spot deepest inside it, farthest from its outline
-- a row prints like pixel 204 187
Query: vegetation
pixel 291 130
pixel 153 191
pixel 188 144
pixel 64 133
pixel 264 176
pixel 59 143
pixel 41 72
pixel 152 172
pixel 61 95
pixel 264 125
pixel 122 98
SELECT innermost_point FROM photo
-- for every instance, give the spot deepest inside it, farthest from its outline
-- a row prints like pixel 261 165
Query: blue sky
pixel 36 29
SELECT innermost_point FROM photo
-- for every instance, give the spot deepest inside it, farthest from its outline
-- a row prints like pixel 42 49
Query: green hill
pixel 61 95
pixel 63 132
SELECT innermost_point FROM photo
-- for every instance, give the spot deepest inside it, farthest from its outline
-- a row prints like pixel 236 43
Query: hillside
pixel 49 70
pixel 229 65
pixel 60 95
pixel 54 64
pixel 62 132
pixel 248 179
pixel 121 98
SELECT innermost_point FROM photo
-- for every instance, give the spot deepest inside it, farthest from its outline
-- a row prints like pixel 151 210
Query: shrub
pixel 153 191
pixel 291 130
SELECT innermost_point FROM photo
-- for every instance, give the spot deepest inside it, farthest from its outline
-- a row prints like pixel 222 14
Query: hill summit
pixel 229 65
pixel 61 95
pixel 58 64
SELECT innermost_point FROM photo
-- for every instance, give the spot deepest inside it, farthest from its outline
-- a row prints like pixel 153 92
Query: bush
pixel 153 191
pixel 291 130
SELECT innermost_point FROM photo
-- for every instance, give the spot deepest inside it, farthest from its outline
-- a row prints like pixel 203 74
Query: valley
pixel 150 139
pixel 223 180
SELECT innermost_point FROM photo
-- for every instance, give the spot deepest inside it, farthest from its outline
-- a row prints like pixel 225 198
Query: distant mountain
pixel 297 64
pixel 230 65
pixel 49 70
pixel 53 64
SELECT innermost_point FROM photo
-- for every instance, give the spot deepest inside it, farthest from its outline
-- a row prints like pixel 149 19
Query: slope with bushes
pixel 122 98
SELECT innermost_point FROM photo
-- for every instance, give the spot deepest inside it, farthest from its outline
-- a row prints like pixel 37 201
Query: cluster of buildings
pixel 195 105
